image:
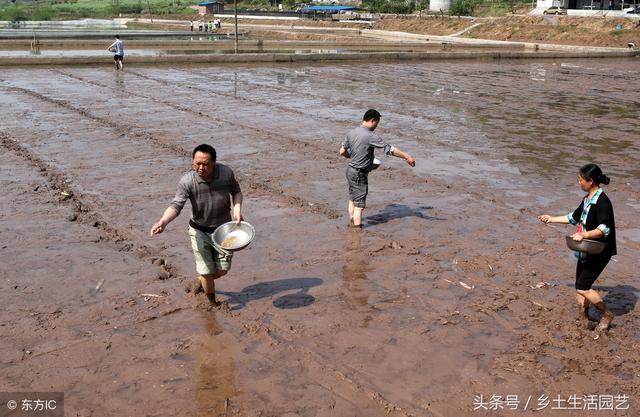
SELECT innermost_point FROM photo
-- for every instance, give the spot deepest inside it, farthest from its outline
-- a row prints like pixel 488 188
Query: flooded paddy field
pixel 452 293
pixel 255 42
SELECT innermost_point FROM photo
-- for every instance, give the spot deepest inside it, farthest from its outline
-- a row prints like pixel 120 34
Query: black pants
pixel 588 271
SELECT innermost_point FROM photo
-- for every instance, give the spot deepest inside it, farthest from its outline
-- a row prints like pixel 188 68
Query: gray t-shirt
pixel 360 143
pixel 210 200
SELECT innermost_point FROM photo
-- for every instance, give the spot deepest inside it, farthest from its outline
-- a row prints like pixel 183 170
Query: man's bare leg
pixel 357 216
pixel 209 286
pixel 351 208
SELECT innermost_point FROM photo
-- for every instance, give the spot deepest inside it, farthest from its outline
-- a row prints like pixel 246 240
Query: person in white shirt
pixel 118 48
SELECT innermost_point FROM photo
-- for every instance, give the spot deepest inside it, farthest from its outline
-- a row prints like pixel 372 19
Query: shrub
pixel 462 8
pixel 391 6
pixel 43 14
pixel 13 14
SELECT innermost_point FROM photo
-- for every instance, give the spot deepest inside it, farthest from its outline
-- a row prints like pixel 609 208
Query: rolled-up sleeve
pixel 345 142
pixel 182 195
pixel 571 220
pixel 377 142
pixel 605 229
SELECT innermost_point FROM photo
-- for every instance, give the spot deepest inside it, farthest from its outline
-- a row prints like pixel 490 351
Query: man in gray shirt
pixel 359 146
pixel 210 187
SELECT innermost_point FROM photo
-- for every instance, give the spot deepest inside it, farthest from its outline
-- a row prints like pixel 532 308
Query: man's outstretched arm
pixel 400 154
pixel 167 217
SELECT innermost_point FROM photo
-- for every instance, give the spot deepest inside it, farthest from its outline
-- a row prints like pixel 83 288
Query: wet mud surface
pixel 452 290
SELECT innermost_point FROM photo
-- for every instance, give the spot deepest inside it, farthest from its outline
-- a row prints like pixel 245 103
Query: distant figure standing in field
pixel 359 146
pixel 118 48
pixel 211 188
pixel 594 220
pixel 210 25
pixel 191 25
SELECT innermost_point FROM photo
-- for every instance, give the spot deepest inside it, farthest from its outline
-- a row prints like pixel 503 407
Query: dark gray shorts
pixel 358 186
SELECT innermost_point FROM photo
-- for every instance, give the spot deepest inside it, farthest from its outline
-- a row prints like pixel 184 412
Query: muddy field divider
pixel 316 57
pixel 71 44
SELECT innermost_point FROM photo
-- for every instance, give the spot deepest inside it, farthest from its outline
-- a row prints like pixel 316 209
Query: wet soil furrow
pixel 269 188
pixel 326 104
pixel 117 127
pixel 82 211
pixel 86 214
pixel 248 177
pixel 288 143
pixel 292 143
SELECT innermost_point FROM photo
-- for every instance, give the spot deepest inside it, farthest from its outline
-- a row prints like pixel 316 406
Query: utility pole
pixel 235 16
pixel 150 15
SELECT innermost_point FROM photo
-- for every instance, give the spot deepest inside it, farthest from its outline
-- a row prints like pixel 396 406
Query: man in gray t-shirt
pixel 360 145
pixel 211 188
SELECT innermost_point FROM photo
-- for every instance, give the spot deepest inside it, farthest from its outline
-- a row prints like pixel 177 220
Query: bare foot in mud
pixel 212 300
pixel 591 325
pixel 605 322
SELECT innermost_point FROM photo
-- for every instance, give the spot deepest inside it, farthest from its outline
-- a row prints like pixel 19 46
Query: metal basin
pixel 588 246
pixel 376 163
pixel 232 237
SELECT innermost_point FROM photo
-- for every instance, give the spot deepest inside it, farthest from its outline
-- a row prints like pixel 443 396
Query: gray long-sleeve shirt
pixel 361 143
pixel 210 200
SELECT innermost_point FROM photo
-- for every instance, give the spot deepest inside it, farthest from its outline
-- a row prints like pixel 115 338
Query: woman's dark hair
pixel 371 114
pixel 204 148
pixel 594 173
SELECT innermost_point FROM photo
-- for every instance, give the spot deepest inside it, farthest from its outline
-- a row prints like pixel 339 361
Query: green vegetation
pixel 462 7
pixel 79 9
pixel 390 6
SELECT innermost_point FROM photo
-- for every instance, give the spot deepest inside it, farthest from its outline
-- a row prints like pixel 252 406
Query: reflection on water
pixel 258 49
pixel 355 288
pixel 545 116
pixel 215 373
pixel 119 81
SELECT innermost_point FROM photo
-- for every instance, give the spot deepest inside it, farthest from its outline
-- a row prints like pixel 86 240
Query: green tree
pixel 462 8
pixel 391 6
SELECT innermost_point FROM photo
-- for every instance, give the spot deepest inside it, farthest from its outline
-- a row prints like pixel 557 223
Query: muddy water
pixel 427 308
